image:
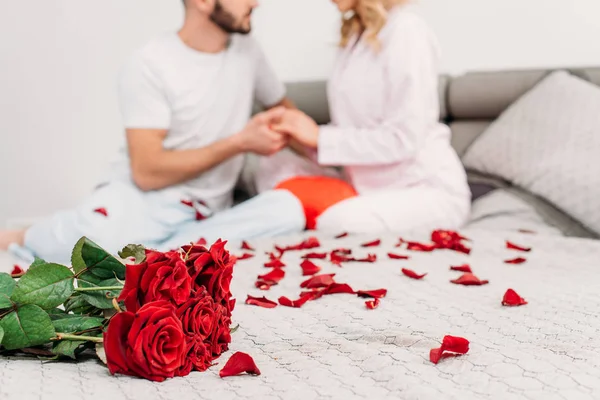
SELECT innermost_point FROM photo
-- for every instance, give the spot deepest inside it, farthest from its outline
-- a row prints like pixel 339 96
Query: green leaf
pixel 7 285
pixel 56 311
pixel 75 323
pixel 27 327
pixel 37 262
pixel 78 305
pixel 77 261
pixel 101 299
pixel 68 348
pixel 1 334
pixel 99 262
pixel 47 286
pixel 136 251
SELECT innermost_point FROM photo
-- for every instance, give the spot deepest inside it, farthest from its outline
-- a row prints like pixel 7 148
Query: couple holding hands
pixel 384 163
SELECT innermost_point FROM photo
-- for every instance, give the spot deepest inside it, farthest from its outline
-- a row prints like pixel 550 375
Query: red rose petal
pixel 342 235
pixel 262 285
pixel 451 344
pixel 374 243
pixel 513 246
pixel 102 211
pixel 462 268
pixel 518 260
pixel 309 268
pixel 412 274
pixel 416 246
pixel 246 246
pixel 273 277
pixel 336 288
pixel 260 302
pixel 318 281
pixel 469 279
pixel 372 304
pixel 342 251
pixel 202 242
pixel 376 294
pixel 315 255
pixel 511 299
pixel 238 364
pixel 371 258
pixel 397 256
pixel 310 243
pixel 284 301
pixel 449 240
pixel 17 270
pixel 245 256
pixel 276 263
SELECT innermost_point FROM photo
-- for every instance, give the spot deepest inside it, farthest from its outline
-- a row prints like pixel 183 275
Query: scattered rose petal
pixel 315 255
pixel 449 240
pixel 372 304
pixel 469 279
pixel 342 251
pixel 238 364
pixel 246 246
pixel 318 281
pixel 374 243
pixel 339 257
pixel 273 277
pixel 462 268
pixel 513 246
pixel 309 268
pixel 412 274
pixel 511 299
pixel 17 270
pixel 376 294
pixel 518 260
pixel 451 344
pixel 416 246
pixel 261 302
pixel 245 256
pixel 397 256
pixel 284 301
pixel 342 235
pixel 371 258
pixel 336 288
pixel 276 263
pixel 262 285
pixel 102 211
pixel 310 243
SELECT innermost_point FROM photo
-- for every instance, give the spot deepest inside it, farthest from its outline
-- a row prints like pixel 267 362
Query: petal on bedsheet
pixel 309 268
pixel 518 260
pixel 512 299
pixel 462 268
pixel 412 274
pixel 469 279
pixel 336 288
pixel 397 256
pixel 372 304
pixel 273 277
pixel 342 235
pixel 376 294
pixel 513 246
pixel 453 344
pixel 275 263
pixel 245 256
pixel 102 211
pixel 238 364
pixel 374 243
pixel 246 246
pixel 260 302
pixel 320 256
pixel 318 281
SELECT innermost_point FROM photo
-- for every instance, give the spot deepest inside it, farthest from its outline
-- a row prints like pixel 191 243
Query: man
pixel 186 99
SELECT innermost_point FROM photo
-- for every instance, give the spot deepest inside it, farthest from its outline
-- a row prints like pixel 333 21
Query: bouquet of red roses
pixel 176 318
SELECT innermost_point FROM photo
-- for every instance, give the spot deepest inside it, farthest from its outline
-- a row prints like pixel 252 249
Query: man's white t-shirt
pixel 199 98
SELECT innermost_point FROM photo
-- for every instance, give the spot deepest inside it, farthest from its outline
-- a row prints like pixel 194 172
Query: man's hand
pixel 300 127
pixel 258 136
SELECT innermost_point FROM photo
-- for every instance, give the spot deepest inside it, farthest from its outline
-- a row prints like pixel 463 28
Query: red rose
pixel 163 276
pixel 197 316
pixel 150 343
pixel 198 357
pixel 213 269
pixel 221 336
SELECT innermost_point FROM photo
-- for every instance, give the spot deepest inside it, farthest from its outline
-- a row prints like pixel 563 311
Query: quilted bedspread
pixel 335 348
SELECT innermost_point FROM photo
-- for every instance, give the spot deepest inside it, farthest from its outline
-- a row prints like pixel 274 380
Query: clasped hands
pixel 269 132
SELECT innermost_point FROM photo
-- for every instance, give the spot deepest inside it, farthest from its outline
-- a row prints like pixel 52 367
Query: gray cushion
pixel 464 133
pixel 485 95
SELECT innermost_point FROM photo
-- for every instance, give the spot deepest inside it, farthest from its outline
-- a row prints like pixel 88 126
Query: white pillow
pixel 548 142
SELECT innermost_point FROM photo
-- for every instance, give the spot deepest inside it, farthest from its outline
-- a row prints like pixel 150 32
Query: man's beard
pixel 226 21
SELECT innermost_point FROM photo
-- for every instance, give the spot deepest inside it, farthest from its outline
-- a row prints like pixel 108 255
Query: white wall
pixel 59 59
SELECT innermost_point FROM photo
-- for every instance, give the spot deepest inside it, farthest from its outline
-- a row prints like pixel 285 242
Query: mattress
pixel 336 348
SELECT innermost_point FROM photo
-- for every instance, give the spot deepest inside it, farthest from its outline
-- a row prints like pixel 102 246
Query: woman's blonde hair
pixel 369 18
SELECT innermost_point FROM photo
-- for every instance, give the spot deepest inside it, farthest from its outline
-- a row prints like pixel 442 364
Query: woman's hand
pixel 300 127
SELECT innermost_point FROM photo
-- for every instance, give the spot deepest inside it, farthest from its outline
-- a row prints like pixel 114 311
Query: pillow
pixel 548 142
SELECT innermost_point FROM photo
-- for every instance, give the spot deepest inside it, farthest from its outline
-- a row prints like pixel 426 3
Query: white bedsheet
pixel 335 348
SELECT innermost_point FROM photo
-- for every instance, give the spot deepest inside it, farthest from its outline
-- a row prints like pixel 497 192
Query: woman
pixel 385 131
